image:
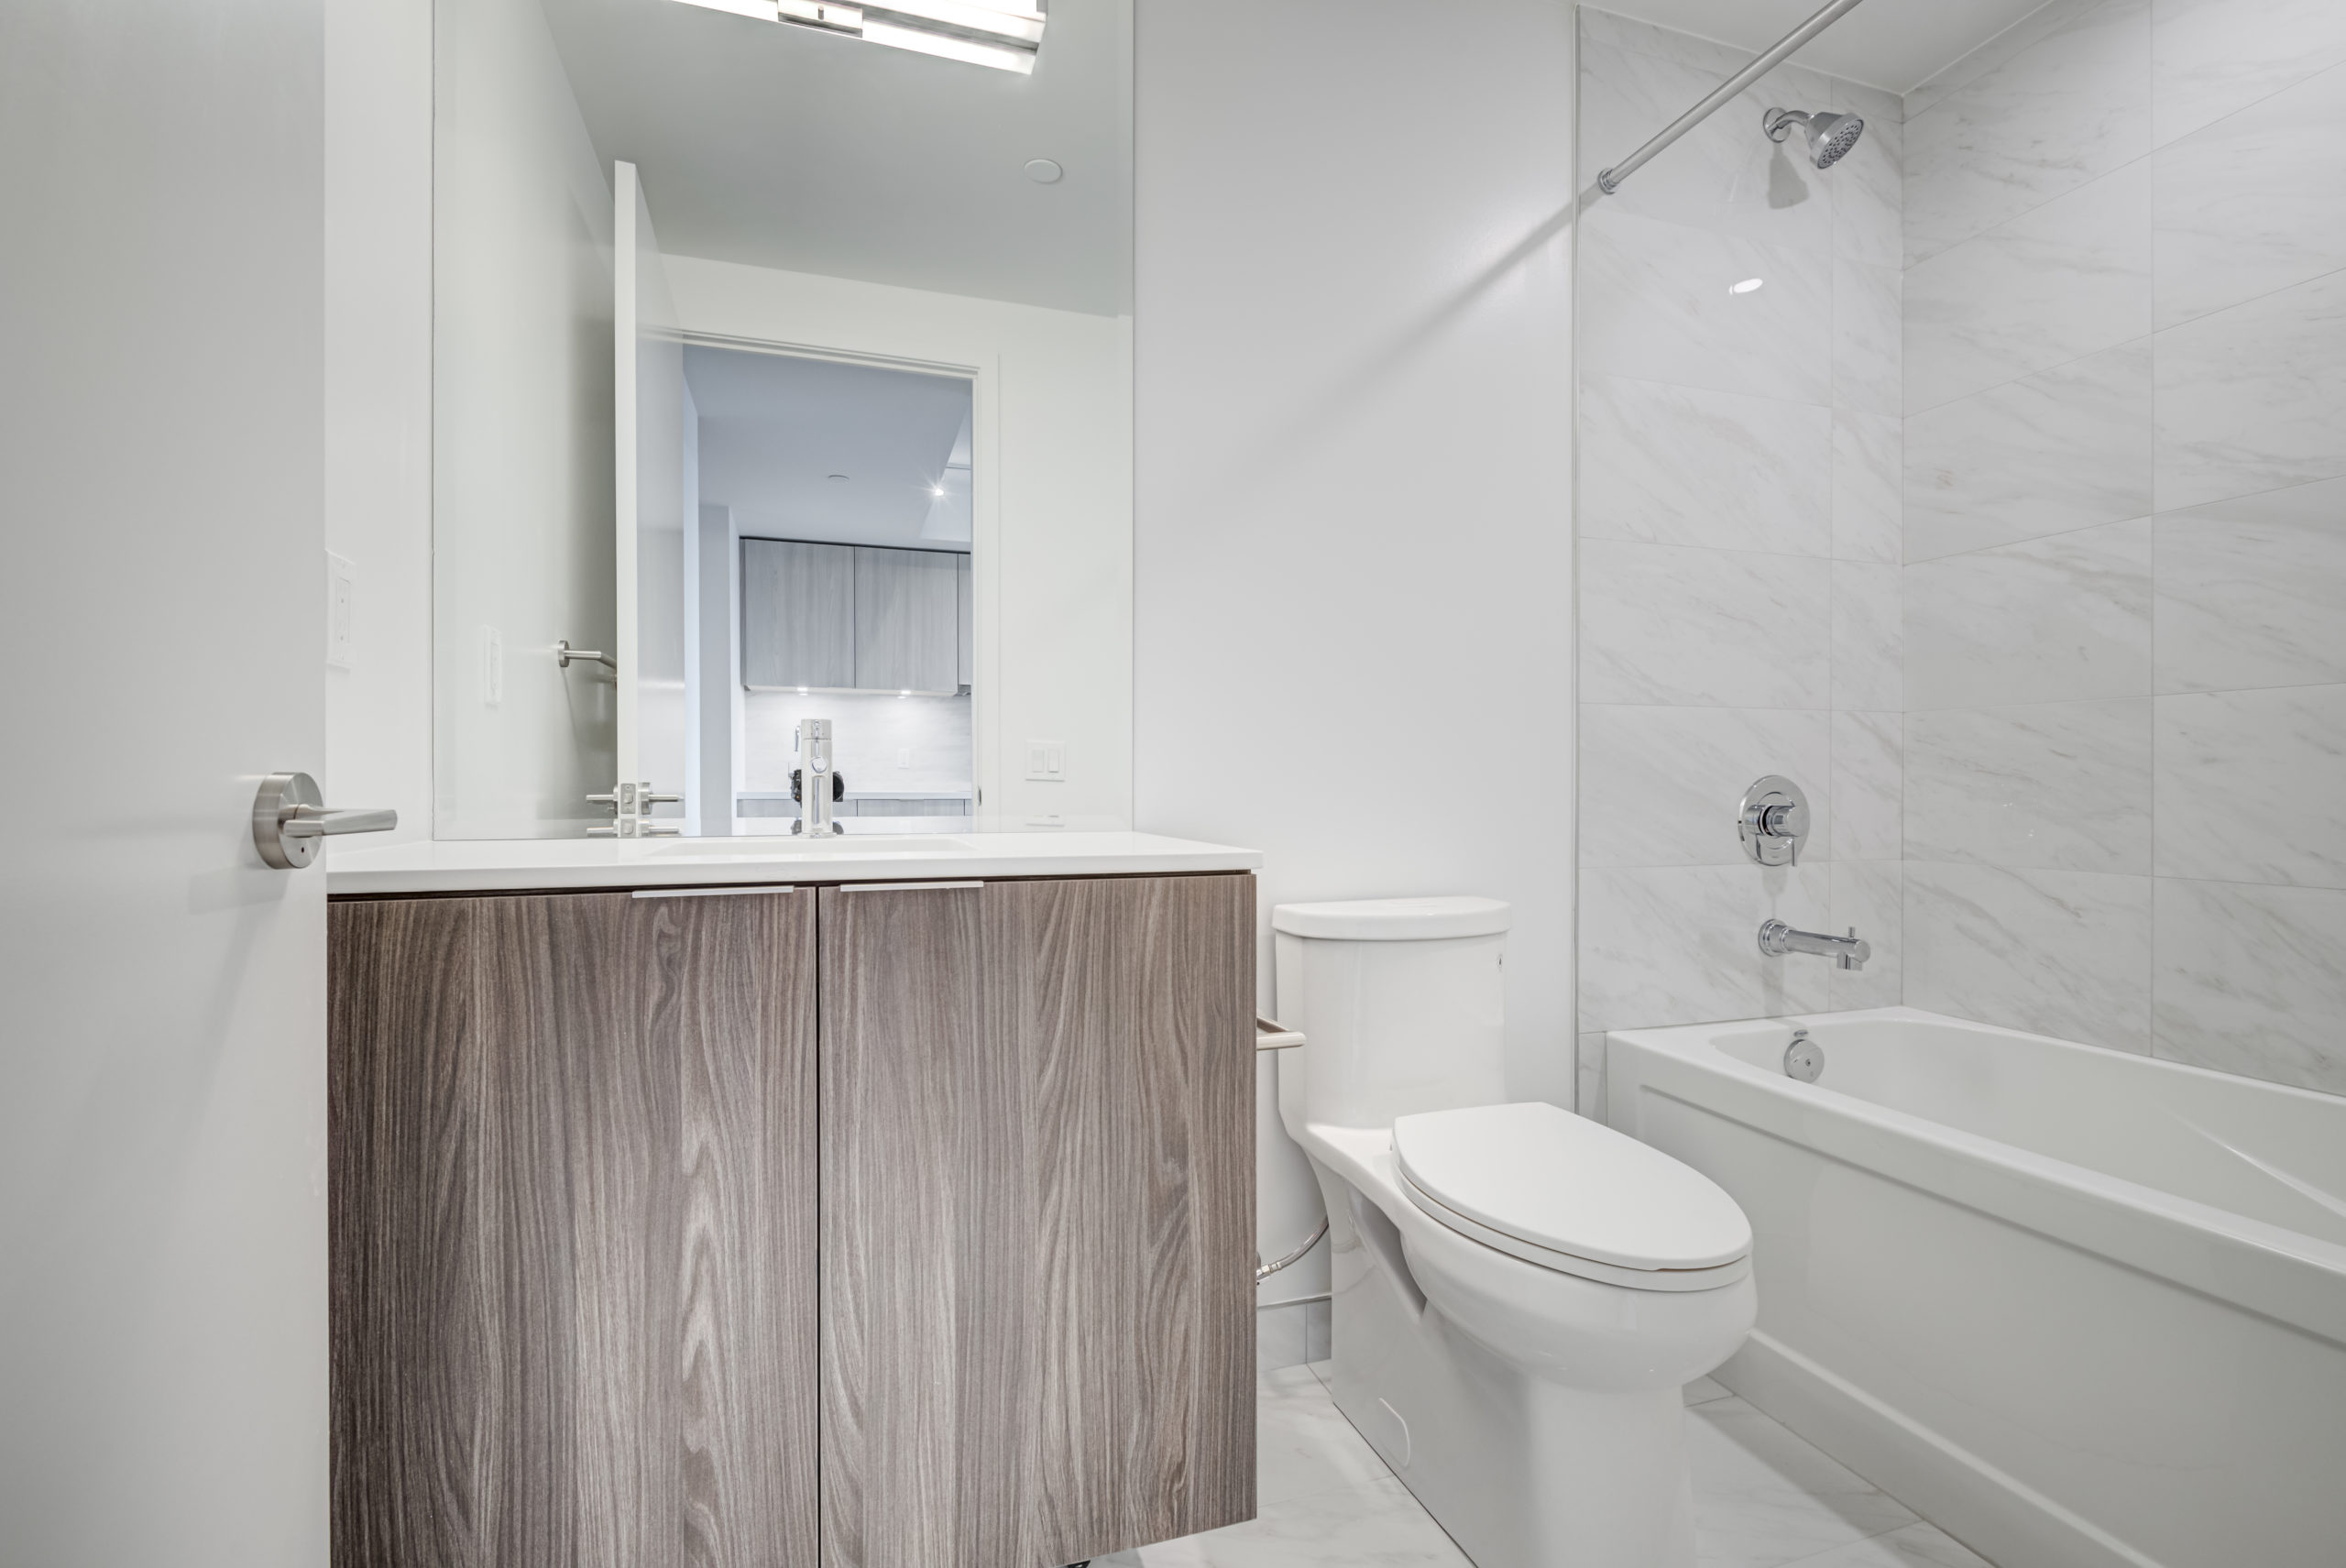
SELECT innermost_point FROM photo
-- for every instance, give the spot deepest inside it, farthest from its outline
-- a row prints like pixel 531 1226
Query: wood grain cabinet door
pixel 1038 1169
pixel 573 1232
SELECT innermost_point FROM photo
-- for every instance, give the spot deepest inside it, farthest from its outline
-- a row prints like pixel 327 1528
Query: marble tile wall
pixel 2124 533
pixel 1740 543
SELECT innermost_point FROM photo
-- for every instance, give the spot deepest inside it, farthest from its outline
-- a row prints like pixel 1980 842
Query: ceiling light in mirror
pixel 1003 36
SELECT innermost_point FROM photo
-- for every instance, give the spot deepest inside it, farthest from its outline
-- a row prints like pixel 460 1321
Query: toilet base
pixel 1522 1471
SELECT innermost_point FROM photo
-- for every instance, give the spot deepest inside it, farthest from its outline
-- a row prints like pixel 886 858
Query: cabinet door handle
pixel 906 886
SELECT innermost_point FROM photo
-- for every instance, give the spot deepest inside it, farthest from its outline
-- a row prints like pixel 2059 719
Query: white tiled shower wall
pixel 2125 533
pixel 1739 539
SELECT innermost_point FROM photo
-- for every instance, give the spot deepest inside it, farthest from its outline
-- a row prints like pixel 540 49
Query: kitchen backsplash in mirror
pixel 779 375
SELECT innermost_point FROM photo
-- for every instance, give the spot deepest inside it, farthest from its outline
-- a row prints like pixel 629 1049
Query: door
pixel 574 1231
pixel 908 619
pixel 656 491
pixel 162 993
pixel 797 614
pixel 1038 1221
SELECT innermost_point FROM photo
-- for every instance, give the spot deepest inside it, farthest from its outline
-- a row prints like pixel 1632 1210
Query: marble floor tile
pixel 2252 592
pixel 1703 1390
pixel 2253 785
pixel 1668 625
pixel 2250 204
pixel 2059 785
pixel 2063 448
pixel 1657 785
pixel 2052 620
pixel 1676 944
pixel 1373 1525
pixel 1303 1444
pixel 1765 1497
pixel 1672 464
pixel 1655 307
pixel 2055 283
pixel 2072 106
pixel 2253 397
pixel 1916 1546
pixel 1869 513
pixel 2252 980
pixel 2209 58
pixel 1869 785
pixel 1868 337
pixel 2059 953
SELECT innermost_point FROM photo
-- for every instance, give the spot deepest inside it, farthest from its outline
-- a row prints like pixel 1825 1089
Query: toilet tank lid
pixel 1392 919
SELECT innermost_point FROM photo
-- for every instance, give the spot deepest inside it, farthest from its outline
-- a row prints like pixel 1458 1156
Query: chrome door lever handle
pixel 290 818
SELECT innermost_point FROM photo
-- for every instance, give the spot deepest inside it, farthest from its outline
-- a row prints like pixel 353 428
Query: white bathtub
pixel 2076 1306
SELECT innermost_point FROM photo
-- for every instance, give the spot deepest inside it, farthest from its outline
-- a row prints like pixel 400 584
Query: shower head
pixel 1830 136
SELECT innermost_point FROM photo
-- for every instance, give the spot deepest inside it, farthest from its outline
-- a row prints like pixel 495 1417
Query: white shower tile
pixel 2071 107
pixel 1279 1338
pixel 1868 632
pixel 1655 306
pixel 1666 625
pixel 2252 592
pixel 2252 980
pixel 2056 786
pixel 1721 175
pixel 1869 769
pixel 1609 29
pixel 1589 1082
pixel 2014 41
pixel 2044 621
pixel 2251 786
pixel 2250 204
pixel 2060 953
pixel 2209 58
pixel 2253 397
pixel 2060 281
pixel 1869 183
pixel 1866 337
pixel 1659 786
pixel 1869 897
pixel 1678 943
pixel 1869 516
pixel 2063 448
pixel 1675 464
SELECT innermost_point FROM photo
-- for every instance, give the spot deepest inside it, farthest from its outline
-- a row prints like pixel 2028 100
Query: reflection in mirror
pixel 779 375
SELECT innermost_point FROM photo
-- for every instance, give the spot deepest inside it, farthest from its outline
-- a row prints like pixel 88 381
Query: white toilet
pixel 1519 1293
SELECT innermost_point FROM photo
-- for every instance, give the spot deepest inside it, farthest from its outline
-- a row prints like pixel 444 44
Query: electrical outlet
pixel 1047 761
pixel 342 591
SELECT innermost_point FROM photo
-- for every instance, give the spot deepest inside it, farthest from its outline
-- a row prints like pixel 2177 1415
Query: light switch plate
pixel 342 592
pixel 1047 761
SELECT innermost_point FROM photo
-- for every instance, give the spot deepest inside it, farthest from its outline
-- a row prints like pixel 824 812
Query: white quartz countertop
pixel 492 865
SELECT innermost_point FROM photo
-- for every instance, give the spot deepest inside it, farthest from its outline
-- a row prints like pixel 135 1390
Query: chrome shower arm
pixel 1609 180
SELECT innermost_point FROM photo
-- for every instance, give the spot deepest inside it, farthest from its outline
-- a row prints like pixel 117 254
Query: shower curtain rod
pixel 1609 180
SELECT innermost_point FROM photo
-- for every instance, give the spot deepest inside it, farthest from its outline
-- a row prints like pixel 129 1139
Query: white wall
pixel 1738 527
pixel 1353 551
pixel 522 421
pixel 1053 549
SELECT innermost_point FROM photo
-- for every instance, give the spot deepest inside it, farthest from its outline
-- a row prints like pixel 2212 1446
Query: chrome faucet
pixel 1776 939
pixel 816 781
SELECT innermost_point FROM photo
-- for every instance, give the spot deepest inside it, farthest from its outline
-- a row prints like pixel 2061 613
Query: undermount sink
pixel 855 844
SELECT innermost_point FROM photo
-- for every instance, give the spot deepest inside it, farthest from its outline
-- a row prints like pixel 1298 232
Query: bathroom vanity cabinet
pixel 898 1226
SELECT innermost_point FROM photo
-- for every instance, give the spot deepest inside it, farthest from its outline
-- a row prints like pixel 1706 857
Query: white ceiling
pixel 1894 44
pixel 774 429
pixel 781 147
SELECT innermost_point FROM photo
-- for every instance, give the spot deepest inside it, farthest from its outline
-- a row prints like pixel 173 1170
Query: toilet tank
pixel 1398 1002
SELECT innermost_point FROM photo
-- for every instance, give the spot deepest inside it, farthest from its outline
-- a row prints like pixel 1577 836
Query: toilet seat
pixel 1572 1195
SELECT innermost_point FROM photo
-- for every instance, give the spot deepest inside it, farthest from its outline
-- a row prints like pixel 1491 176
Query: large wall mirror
pixel 781 370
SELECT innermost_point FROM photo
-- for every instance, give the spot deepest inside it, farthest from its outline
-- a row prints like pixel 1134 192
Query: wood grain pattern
pixel 797 613
pixel 628 1364
pixel 908 619
pixel 1037 1154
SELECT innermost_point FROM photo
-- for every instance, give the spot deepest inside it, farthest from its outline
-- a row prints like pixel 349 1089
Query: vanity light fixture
pixel 1004 37
pixel 1745 287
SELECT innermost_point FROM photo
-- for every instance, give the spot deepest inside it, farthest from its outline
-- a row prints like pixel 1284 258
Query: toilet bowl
pixel 1519 1294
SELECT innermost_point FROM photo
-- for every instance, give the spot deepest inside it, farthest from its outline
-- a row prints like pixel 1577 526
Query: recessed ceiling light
pixel 1042 171
pixel 937 489
pixel 1745 287
pixel 981 32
